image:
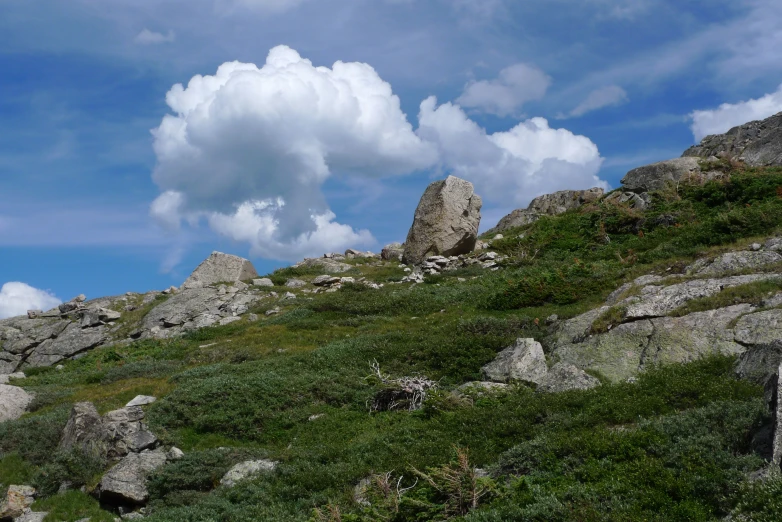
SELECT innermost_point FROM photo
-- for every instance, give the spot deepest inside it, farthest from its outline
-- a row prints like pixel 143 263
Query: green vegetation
pixel 751 293
pixel 675 445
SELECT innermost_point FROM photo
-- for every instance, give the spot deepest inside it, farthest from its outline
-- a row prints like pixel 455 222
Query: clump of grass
pixel 71 506
pixel 608 319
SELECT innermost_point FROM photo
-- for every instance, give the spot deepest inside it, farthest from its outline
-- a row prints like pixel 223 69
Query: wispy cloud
pixel 147 37
pixel 609 96
pixel 729 115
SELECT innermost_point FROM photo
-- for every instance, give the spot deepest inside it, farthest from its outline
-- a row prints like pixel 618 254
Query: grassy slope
pixel 673 446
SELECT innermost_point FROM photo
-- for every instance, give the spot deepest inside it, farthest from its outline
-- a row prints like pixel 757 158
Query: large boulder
pixel 446 221
pixel 565 377
pixel 392 252
pixel 221 268
pixel 657 175
pixel 757 143
pixel 548 205
pixel 126 483
pixel 85 431
pixel 13 402
pixel 523 361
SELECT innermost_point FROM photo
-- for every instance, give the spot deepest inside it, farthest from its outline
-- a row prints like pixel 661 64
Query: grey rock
pixel 220 268
pixel 17 500
pixel 759 363
pixel 97 316
pixel 85 431
pixel 773 301
pixel 141 400
pixel 774 244
pixel 263 282
pixel 32 314
pixel 564 377
pixel 735 262
pixel 759 328
pixel 72 341
pixel 126 432
pixel 523 361
pixel 630 199
pixel 80 298
pixel 757 143
pixel 5 378
pixel 655 176
pixel 228 320
pixel 326 280
pixel 656 301
pixel 331 266
pixel 126 483
pixel 273 311
pixel 392 252
pixel 247 469
pixel 480 388
pixel 68 307
pixel 446 221
pixel 295 283
pixel 14 402
pixel 174 453
pixel 776 410
pixel 547 205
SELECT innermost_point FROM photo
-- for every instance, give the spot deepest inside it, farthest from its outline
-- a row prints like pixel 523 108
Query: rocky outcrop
pixel 657 175
pixel 126 483
pixel 523 361
pixel 644 333
pixel 116 434
pixel 547 205
pixel 221 268
pixel 327 264
pixel 446 221
pixel 14 402
pixel 245 470
pixel 757 143
pixel 735 262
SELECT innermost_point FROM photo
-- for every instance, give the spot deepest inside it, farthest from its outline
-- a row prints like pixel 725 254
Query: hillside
pixel 367 396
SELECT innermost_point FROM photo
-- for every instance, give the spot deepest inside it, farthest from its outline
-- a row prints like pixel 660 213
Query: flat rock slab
pixel 735 262
pixel 657 175
pixel 221 268
pixel 141 400
pixel 564 377
pixel 13 402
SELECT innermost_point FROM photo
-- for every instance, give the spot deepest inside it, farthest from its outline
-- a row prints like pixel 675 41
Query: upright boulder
pixel 221 268
pixel 85 431
pixel 446 221
pixel 757 143
pixel 523 361
pixel 548 205
pixel 657 175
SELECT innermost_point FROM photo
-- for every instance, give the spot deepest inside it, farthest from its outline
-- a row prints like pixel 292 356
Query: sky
pixel 138 137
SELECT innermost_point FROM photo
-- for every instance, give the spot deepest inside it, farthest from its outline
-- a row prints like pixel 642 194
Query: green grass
pixel 72 506
pixel 675 445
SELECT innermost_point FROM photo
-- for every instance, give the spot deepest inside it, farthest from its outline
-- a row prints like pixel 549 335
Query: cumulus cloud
pixel 249 148
pixel 505 95
pixel 510 168
pixel 608 96
pixel 147 37
pixel 729 115
pixel 16 298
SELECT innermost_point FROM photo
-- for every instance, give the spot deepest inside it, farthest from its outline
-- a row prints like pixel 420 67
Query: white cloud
pixel 608 96
pixel 147 37
pixel 505 95
pixel 17 298
pixel 273 6
pixel 510 168
pixel 249 149
pixel 729 115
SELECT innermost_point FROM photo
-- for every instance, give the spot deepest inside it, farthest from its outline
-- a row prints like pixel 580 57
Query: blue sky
pixel 295 154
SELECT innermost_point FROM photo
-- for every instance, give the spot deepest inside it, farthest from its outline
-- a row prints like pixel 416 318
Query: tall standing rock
pixel 446 221
pixel 221 268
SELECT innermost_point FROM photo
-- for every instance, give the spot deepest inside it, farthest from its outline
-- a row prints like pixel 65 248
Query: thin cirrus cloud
pixel 276 133
pixel 505 95
pixel 147 37
pixel 729 115
pixel 608 96
pixel 16 298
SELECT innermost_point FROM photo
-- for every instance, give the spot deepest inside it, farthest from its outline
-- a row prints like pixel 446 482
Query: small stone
pixel 80 298
pixel 289 295
pixel 273 311
pixel 174 453
pixel 295 283
pixel 141 400
pixel 59 367
pixel 32 314
pixel 264 282
pixel 498 236
pixel 252 318
pixel 755 247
